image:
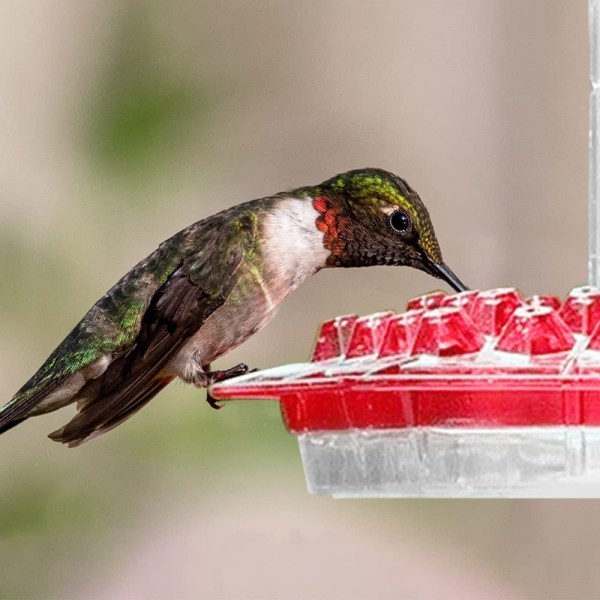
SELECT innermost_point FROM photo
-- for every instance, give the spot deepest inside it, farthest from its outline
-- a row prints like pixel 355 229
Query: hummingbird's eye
pixel 400 221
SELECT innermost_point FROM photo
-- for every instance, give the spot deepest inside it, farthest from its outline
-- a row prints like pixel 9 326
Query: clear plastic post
pixel 594 146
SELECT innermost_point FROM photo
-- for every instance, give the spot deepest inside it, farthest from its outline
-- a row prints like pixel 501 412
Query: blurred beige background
pixel 122 122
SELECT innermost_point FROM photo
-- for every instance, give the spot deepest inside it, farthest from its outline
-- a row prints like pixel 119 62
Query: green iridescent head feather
pixel 374 189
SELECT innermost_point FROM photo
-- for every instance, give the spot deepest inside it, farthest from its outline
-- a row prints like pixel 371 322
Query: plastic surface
pixel 545 462
pixel 461 395
pixel 496 359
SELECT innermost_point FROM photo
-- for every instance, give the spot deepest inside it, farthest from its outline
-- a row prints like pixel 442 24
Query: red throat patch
pixel 332 224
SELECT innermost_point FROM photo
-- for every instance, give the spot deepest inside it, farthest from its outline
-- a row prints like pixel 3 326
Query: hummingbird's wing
pixel 169 295
pixel 198 287
pixel 108 328
pixel 133 378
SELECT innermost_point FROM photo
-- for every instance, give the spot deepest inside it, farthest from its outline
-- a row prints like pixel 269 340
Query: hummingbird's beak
pixel 444 272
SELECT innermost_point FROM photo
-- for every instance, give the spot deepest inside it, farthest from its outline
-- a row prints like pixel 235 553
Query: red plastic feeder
pixel 473 394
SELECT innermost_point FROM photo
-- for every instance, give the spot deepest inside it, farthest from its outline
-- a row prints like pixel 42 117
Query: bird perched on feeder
pixel 211 286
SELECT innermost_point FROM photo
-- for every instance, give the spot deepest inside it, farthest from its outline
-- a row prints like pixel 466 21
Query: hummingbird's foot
pixel 215 376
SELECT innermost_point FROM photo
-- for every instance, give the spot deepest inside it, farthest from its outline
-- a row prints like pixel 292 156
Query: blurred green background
pixel 122 122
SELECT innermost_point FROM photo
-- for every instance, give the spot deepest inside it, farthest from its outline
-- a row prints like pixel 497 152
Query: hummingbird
pixel 211 286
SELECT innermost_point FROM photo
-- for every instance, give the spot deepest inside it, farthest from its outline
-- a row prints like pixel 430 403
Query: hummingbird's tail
pixel 96 416
pixel 19 408
pixel 6 426
pixel 36 398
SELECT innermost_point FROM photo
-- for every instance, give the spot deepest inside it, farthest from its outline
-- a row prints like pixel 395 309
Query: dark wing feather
pixel 109 327
pixel 190 295
pixel 136 376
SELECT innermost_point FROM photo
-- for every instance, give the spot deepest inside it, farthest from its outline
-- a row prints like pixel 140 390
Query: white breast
pixel 293 246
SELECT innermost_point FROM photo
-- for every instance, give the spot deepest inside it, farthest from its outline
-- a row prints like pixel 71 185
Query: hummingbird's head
pixel 372 217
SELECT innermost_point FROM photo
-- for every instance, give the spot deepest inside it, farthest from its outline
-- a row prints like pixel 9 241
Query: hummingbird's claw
pixel 215 376
pixel 212 401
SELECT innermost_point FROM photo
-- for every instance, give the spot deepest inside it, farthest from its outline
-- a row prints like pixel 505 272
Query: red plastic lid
pixel 476 359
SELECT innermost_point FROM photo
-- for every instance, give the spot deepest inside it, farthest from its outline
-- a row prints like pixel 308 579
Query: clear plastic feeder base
pixel 430 462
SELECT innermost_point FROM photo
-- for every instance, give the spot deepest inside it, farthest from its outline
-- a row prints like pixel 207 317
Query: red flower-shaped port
pixel 535 330
pixel 400 333
pixel 447 332
pixel 333 337
pixel 427 301
pixel 493 308
pixel 581 310
pixel 368 334
pixel 464 300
